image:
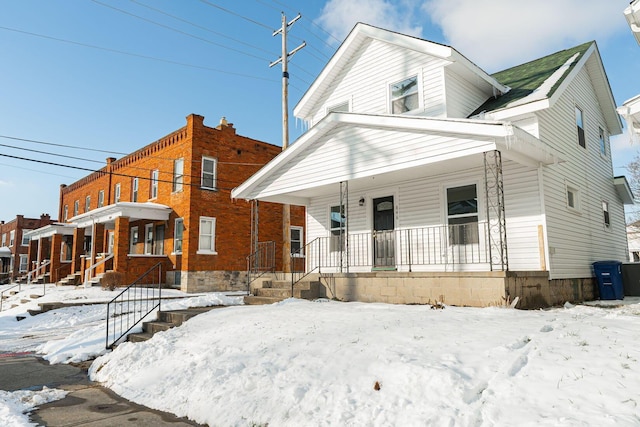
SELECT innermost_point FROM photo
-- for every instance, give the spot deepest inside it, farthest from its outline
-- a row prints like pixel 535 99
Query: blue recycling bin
pixel 609 277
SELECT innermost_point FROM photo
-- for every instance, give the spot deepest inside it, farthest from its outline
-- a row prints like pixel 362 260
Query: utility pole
pixel 284 59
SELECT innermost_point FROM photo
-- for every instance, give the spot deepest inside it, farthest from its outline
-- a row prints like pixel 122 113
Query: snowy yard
pixel 320 363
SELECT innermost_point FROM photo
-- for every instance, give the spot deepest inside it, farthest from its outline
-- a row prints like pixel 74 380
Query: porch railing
pixel 133 304
pixel 445 245
pixel 36 272
pixel 5 277
pixel 262 261
pixel 88 272
pixel 2 296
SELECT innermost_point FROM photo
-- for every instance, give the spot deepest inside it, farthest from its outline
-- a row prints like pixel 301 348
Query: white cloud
pixel 501 33
pixel 339 16
pixel 4 183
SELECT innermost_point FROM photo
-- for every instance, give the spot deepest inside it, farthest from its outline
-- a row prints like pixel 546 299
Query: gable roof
pixel 363 32
pixel 539 83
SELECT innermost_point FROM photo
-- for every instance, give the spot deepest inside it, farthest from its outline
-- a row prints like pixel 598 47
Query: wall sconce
pixel 361 201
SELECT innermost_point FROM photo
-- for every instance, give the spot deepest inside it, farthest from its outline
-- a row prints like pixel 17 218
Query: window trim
pixel 148 243
pixel 476 214
pixel 12 238
pixel 87 203
pixel 24 231
pixel 133 242
pixel 390 97
pixel 153 187
pixel 214 173
pixel 573 189
pixel 117 193
pixel 76 207
pixel 65 214
pixel 606 214
pixel 100 198
pixel 580 128
pixel 178 177
pixel 301 230
pixel 135 184
pixel 175 235
pixel 602 137
pixel 211 251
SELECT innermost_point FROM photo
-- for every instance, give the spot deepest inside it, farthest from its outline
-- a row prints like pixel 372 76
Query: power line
pixel 121 52
pixel 260 24
pixel 36 170
pixel 62 145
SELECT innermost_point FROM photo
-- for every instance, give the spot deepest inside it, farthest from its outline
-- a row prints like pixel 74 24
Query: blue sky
pixel 116 75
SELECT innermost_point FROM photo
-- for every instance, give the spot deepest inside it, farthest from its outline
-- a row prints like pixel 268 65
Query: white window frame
pixel 452 239
pixel 133 239
pixel 65 215
pixel 603 141
pixel 606 214
pixel 4 239
pixel 12 238
pixel 100 198
pixel 25 239
pixel 87 203
pixel 24 263
pixel 213 175
pixel 116 193
pixel 391 99
pixel 111 240
pixel 582 142
pixel 148 239
pixel 134 189
pixel 178 239
pixel 76 208
pixel 211 238
pixel 572 194
pixel 178 174
pixel 155 176
pixel 334 232
pixel 301 241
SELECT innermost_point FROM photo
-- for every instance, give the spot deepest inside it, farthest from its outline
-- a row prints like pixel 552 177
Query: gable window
pixel 605 213
pixel 134 190
pixel 207 237
pixel 116 193
pixel 209 173
pixel 101 198
pixel 462 214
pixel 337 227
pixel 12 238
pixel 178 174
pixel 155 174
pixel 580 127
pixel 87 204
pixel 603 142
pixel 177 236
pixel 25 239
pixel 404 96
pixel 573 197
pixel 76 207
pixel 296 240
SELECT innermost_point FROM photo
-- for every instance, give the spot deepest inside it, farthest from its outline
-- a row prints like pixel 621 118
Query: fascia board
pixel 632 14
pixel 458 57
pixel 50 230
pixel 509 112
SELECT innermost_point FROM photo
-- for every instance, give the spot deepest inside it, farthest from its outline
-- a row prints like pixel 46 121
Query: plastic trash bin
pixel 631 279
pixel 609 277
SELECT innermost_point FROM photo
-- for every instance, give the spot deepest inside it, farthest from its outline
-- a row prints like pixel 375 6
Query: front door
pixel 383 233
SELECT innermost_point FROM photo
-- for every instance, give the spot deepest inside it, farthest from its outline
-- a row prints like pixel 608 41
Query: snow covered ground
pixel 322 363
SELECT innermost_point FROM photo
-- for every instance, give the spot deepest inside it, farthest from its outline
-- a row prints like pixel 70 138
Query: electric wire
pixel 38 171
pixel 260 24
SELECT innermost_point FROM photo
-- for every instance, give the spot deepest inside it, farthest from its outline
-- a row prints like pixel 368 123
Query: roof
pixel 132 210
pixel 632 13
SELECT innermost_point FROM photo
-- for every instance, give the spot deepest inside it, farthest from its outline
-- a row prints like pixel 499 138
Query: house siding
pixel 462 96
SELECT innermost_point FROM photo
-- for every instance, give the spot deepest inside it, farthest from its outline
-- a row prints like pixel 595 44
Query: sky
pixel 111 76
pixel 328 363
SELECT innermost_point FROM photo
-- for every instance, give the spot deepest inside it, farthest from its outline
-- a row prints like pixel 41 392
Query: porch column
pixel 39 257
pixel 496 221
pixel 33 254
pixel 98 242
pixel 77 247
pixel 121 244
pixel 56 255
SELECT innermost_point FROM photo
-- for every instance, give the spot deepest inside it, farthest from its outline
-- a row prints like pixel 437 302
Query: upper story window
pixel 87 204
pixel 25 239
pixel 4 239
pixel 76 207
pixel 178 174
pixel 209 166
pixel 65 215
pixel 101 198
pixel 116 193
pixel 404 96
pixel 603 142
pixel 12 237
pixel 155 175
pixel 134 190
pixel 580 127
pixel 605 213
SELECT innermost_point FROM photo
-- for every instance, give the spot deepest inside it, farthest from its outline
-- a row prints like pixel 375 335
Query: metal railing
pixel 36 271
pixel 262 261
pixel 19 286
pixel 92 268
pixel 133 304
pixel 62 270
pixel 5 277
pixel 445 245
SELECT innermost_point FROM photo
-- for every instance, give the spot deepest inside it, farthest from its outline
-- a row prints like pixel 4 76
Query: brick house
pixel 167 204
pixel 14 244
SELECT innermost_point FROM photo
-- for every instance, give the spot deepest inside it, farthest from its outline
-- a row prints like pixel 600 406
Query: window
pixel 155 174
pixel 209 173
pixel 134 190
pixel 296 240
pixel 177 236
pixel 76 207
pixel 25 239
pixel 148 239
pixel 207 239
pixel 158 242
pixel 4 239
pixel 337 227
pixel 580 127
pixel 101 198
pixel 133 240
pixel 12 238
pixel 111 240
pixel 603 142
pixel 605 212
pixel 462 215
pixel 116 193
pixel 404 96
pixel 24 261
pixel 87 204
pixel 178 174
pixel 65 215
pixel 573 197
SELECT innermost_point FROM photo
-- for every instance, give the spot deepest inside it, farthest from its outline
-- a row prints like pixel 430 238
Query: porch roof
pixel 348 146
pixel 134 211
pixel 5 252
pixel 624 190
pixel 50 230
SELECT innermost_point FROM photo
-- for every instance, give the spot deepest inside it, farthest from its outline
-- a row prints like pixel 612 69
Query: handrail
pixel 93 268
pixel 262 261
pixel 131 306
pixel 35 271
pixel 19 286
pixel 299 256
pixel 5 276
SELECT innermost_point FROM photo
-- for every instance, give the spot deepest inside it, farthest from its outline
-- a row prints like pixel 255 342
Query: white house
pixel 630 110
pixel 425 178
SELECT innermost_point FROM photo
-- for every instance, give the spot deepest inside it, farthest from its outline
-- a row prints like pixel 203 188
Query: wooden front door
pixel 383 233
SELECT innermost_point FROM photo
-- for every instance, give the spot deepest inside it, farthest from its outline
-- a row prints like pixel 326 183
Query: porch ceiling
pixel 51 230
pixel 133 211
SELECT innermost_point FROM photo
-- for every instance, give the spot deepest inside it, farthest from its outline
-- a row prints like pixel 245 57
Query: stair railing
pixel 87 272
pixel 133 304
pixel 36 271
pixel 303 261
pixel 8 289
pixel 262 261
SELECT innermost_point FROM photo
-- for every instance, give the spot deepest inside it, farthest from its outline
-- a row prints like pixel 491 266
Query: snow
pixel 327 363
pixel 14 405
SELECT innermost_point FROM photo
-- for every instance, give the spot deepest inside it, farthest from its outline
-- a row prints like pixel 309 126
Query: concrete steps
pixel 167 320
pixel 70 280
pixel 273 291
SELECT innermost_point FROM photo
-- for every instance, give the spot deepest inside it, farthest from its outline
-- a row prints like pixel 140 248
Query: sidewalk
pixel 87 404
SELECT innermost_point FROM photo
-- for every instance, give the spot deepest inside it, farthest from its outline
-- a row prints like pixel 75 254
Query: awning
pixel 50 230
pixel 624 190
pixel 5 252
pixel 132 210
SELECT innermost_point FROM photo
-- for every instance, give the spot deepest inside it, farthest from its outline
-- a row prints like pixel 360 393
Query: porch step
pixel 256 300
pixel 71 279
pixel 273 291
pixel 24 301
pixel 13 292
pixel 34 312
pixel 167 320
pixel 35 296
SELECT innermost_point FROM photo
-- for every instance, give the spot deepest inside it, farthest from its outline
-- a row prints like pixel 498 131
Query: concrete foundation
pixel 212 281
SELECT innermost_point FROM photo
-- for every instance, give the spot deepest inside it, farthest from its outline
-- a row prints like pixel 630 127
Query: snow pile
pixel 310 363
pixel 13 405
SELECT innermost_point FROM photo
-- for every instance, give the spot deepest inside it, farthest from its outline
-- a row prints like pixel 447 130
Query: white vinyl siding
pixel 462 96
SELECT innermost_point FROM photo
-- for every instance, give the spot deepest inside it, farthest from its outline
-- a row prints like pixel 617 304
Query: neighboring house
pixel 633 237
pixel 165 206
pixel 630 110
pixel 14 245
pixel 425 178
pixel 632 13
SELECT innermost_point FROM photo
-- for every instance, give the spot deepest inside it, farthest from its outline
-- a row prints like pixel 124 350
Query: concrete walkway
pixel 86 404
